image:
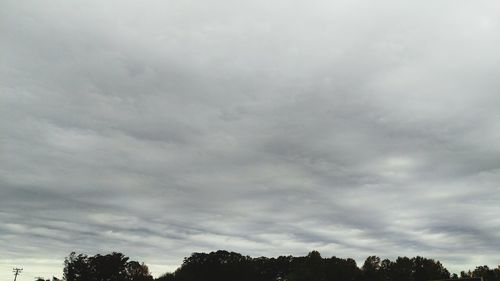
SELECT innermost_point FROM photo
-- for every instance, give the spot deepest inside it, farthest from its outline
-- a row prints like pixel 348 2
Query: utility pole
pixel 16 271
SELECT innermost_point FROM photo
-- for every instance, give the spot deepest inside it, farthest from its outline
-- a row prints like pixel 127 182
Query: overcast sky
pixel 162 128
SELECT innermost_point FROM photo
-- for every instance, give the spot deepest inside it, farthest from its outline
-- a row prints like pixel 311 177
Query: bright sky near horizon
pixel 162 128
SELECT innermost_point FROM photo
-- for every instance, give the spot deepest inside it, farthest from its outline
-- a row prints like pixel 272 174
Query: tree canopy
pixel 230 266
pixel 110 267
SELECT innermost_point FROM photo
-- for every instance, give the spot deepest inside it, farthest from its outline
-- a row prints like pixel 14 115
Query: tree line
pixel 230 266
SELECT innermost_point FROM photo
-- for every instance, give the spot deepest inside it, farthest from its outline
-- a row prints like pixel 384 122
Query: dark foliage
pixel 111 267
pixel 231 266
pixel 223 265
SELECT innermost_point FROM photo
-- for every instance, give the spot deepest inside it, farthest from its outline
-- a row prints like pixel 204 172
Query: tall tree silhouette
pixel 307 268
pixel 371 269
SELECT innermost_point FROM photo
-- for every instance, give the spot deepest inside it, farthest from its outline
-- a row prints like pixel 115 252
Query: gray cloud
pixel 165 128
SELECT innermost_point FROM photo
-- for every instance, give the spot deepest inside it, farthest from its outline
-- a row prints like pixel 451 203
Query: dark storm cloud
pixel 170 127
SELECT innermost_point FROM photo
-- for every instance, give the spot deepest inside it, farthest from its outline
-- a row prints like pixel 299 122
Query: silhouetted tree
pixel 231 266
pixel 428 269
pixel 401 269
pixel 486 273
pixel 371 269
pixel 341 269
pixel 111 267
pixel 307 268
pixel 77 268
pixel 138 272
pixel 220 265
pixel 385 270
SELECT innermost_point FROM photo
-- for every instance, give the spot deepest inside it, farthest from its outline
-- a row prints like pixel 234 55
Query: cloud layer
pixel 163 128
